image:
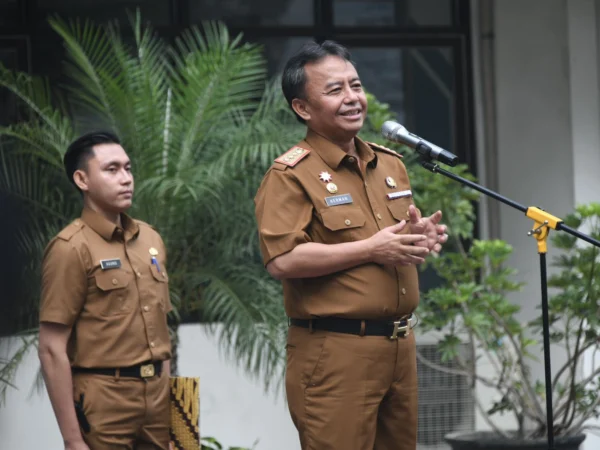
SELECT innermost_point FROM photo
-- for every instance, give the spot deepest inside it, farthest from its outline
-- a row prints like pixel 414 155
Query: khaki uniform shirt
pixel 117 314
pixel 291 209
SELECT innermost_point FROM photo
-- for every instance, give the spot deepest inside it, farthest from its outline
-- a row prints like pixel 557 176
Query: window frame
pixel 456 36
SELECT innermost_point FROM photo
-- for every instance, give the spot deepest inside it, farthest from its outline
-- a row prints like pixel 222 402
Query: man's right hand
pixel 387 247
pixel 76 445
pixel 56 368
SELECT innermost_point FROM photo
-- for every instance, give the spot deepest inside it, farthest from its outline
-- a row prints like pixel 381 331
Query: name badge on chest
pixel 399 194
pixel 335 200
pixel 107 264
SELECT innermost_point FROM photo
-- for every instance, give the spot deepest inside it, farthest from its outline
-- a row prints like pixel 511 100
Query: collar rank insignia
pixel 293 156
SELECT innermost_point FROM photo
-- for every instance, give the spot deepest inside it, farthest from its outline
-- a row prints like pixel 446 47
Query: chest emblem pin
pixel 332 188
pixel 390 182
pixel 325 177
pixel 153 253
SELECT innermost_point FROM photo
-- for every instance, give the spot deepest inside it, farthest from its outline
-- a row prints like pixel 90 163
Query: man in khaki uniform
pixel 338 226
pixel 104 342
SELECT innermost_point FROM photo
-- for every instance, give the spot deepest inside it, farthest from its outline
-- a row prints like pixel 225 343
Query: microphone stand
pixel 543 221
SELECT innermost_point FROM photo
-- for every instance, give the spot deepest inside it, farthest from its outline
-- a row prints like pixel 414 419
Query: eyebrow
pixel 337 83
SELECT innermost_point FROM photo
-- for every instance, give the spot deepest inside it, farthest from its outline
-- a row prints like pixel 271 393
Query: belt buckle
pixel 398 328
pixel 147 370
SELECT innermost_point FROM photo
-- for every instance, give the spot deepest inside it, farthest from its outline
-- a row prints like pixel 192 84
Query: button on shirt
pixel 117 313
pixel 291 209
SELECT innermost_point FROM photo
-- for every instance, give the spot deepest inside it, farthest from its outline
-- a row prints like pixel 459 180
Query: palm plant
pixel 201 124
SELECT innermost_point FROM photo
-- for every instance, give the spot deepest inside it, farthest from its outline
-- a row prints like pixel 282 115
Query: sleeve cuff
pixel 273 245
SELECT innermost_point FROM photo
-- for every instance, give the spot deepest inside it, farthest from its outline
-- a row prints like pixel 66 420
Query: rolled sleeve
pixel 64 284
pixel 283 214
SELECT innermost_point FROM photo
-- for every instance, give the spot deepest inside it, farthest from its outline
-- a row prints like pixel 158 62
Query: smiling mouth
pixel 351 112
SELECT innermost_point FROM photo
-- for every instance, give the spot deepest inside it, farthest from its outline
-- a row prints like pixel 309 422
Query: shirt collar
pixel 106 228
pixel 333 155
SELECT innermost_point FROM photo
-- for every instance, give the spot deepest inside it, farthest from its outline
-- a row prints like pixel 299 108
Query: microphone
pixel 395 132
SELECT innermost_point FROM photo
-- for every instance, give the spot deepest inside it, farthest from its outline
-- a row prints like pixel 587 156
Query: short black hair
pixel 82 149
pixel 293 80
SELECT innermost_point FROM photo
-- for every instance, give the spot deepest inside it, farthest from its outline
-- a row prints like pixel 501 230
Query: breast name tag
pixel 399 194
pixel 110 263
pixel 335 200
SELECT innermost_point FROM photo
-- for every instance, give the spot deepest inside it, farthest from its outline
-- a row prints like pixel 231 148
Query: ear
pixel 301 108
pixel 81 180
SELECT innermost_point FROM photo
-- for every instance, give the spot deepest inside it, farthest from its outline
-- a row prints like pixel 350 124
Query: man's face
pixel 107 179
pixel 335 104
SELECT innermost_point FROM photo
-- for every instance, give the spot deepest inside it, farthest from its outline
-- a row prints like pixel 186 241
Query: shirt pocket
pixel 344 223
pixel 112 294
pixel 161 284
pixel 399 208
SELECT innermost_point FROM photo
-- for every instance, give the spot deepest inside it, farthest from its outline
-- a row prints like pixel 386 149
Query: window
pixel 157 12
pixel 364 13
pixel 401 13
pixel 254 13
pixel 412 54
pixel 9 13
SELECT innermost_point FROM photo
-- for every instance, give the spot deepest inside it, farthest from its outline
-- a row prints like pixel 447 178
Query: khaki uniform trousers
pixel 349 392
pixel 124 412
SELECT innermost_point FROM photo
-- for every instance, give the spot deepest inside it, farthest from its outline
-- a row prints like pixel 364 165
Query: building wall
pixel 233 408
pixel 534 133
pixel 548 145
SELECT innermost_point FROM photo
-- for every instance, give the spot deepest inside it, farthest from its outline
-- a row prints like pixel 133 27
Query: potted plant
pixel 472 306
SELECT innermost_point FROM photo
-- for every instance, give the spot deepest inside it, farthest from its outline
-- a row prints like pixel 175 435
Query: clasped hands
pixel 426 235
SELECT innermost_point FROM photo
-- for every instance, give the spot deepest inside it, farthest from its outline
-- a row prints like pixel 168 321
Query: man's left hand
pixel 430 227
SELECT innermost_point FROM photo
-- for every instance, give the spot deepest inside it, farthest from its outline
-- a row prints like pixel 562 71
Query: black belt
pixel 390 328
pixel 147 370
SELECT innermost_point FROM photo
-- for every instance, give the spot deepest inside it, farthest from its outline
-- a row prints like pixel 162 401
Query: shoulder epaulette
pixel 70 230
pixel 292 157
pixel 381 148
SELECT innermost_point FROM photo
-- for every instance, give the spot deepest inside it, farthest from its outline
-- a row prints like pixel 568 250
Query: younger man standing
pixel 104 342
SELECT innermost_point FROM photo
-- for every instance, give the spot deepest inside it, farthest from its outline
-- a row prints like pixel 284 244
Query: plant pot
pixel 488 440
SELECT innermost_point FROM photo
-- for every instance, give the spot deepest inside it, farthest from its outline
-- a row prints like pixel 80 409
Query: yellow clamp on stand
pixel 543 221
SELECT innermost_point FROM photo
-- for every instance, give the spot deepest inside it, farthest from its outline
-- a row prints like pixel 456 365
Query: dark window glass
pixel 424 13
pixel 408 13
pixel 417 83
pixel 253 13
pixel 157 12
pixel 9 13
pixel 357 13
pixel 9 58
pixel 278 51
pixel 14 55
